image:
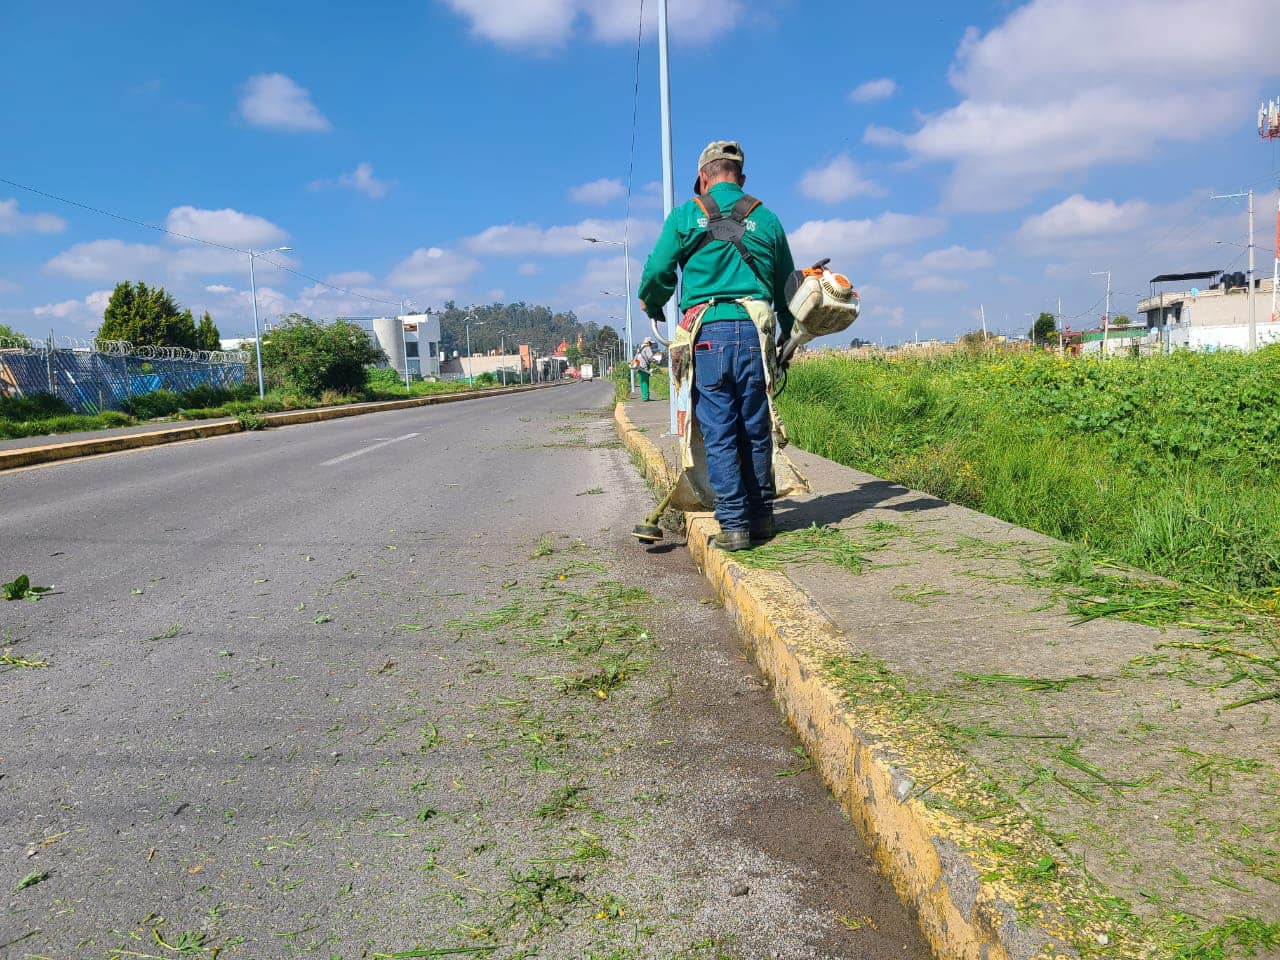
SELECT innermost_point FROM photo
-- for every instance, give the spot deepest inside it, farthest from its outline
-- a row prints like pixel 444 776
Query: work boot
pixel 763 530
pixel 732 540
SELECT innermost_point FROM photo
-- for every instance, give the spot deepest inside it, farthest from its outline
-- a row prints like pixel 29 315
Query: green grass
pixel 1170 464
pixel 659 385
pixel 43 414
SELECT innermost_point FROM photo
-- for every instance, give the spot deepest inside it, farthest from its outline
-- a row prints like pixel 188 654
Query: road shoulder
pixel 1033 785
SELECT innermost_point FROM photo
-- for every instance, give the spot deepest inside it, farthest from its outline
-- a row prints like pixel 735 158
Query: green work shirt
pixel 718 271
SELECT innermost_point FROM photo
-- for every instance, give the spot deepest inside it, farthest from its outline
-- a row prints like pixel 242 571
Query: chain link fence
pixel 96 375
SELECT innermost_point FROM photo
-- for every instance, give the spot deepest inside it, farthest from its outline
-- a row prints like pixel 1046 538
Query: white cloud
pixel 838 180
pixel 585 296
pixel 873 90
pixel 956 259
pixel 13 222
pixel 1056 89
pixel 84 314
pixel 513 239
pixel 274 101
pixel 360 179
pixel 219 288
pixel 598 191
pixel 936 284
pixel 116 260
pixel 935 271
pixel 847 241
pixel 1077 216
pixel 549 23
pixel 229 227
pixel 528 269
pixel 433 272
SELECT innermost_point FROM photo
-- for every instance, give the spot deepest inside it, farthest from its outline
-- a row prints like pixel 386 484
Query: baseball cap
pixel 718 150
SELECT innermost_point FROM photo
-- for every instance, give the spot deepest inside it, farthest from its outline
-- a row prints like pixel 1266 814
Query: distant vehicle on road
pixel 587 371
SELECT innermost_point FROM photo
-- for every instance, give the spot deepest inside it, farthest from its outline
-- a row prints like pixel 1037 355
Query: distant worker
pixel 735 262
pixel 645 360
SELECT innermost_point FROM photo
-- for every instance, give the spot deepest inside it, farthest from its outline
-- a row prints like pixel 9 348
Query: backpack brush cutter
pixel 822 303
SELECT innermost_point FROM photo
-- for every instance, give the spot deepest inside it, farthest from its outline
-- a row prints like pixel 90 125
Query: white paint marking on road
pixel 363 450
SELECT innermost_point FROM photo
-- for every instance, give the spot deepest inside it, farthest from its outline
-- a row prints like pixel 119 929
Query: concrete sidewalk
pixel 1035 785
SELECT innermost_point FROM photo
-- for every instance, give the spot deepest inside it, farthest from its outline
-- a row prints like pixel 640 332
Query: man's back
pixel 718 271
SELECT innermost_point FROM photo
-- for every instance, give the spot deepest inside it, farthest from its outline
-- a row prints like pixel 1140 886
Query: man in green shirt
pixel 730 249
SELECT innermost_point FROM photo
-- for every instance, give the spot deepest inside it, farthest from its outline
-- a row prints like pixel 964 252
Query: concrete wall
pixel 452 369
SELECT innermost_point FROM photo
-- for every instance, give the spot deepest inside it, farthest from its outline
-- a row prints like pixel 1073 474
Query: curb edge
pixel 961 915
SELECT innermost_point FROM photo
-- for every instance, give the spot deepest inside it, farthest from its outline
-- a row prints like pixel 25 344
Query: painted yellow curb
pixel 928 856
pixel 32 456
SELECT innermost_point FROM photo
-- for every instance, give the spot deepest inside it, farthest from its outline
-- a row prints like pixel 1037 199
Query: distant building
pixel 413 338
pixel 1213 317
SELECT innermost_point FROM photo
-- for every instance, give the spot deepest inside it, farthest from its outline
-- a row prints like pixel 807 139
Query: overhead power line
pixel 186 236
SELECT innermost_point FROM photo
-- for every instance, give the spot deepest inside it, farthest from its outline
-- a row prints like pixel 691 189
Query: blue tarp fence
pixel 92 379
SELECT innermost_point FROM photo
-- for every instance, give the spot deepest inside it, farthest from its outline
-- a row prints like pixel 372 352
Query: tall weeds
pixel 1168 463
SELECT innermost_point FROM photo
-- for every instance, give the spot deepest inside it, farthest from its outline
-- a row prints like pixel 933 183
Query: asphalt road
pixel 396 683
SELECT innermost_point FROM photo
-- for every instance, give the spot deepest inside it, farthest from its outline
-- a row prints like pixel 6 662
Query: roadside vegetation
pixel 1168 463
pixel 659 386
pixel 46 414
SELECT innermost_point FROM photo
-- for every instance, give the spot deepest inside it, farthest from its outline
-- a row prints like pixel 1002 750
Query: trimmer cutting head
pixel 647 532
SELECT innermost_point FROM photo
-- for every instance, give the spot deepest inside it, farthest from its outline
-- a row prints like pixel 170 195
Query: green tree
pixel 207 335
pixel 10 337
pixel 147 316
pixel 1045 328
pixel 540 327
pixel 312 357
pixel 573 355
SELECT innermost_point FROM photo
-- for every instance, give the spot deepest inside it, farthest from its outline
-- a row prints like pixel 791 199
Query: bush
pixel 310 357
pixel 38 406
pixel 158 403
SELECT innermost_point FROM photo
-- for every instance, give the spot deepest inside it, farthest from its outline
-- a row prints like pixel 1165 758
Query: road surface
pixel 397 684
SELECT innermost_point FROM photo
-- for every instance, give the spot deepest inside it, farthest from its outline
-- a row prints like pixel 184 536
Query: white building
pixel 1213 318
pixel 413 337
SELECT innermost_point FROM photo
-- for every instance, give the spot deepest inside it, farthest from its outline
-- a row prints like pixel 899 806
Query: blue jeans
pixel 732 408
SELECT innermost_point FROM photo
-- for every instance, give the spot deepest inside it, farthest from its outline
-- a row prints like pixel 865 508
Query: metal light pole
pixel 625 244
pixel 1253 319
pixel 668 182
pixel 257 336
pixel 404 343
pixel 1106 317
pixel 471 379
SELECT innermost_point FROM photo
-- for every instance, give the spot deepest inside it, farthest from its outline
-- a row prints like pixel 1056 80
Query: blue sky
pixel 944 155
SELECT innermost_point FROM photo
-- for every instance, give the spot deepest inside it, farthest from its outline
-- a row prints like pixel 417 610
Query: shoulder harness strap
pixel 728 228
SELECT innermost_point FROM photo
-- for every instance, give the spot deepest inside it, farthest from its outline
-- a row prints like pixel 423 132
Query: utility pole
pixel 668 185
pixel 982 312
pixel 1253 320
pixel 404 342
pixel 1275 274
pixel 1106 317
pixel 1253 316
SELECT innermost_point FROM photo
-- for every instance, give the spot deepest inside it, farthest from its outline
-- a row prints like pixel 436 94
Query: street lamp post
pixel 257 336
pixel 404 343
pixel 626 275
pixel 471 317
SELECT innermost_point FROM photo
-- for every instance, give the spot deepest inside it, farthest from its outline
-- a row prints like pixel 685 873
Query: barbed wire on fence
pixel 96 375
pixel 122 348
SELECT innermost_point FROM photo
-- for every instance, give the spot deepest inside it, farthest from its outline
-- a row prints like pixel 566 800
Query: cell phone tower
pixel 1269 129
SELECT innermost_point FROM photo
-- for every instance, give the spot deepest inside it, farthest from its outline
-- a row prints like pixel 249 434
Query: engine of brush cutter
pixel 823 302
